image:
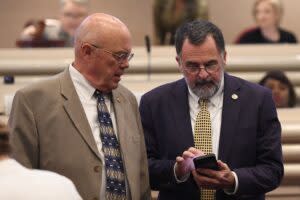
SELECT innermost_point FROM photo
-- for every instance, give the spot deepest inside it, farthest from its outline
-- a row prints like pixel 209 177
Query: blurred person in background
pixel 267 15
pixel 169 14
pixel 282 89
pixel 53 32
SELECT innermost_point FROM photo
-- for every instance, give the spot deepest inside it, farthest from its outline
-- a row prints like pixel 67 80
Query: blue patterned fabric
pixel 115 178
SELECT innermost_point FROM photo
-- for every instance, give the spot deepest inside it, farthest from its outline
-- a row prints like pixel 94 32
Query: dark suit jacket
pixel 50 131
pixel 250 138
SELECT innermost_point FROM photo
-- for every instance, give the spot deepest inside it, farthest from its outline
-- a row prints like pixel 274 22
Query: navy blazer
pixel 250 138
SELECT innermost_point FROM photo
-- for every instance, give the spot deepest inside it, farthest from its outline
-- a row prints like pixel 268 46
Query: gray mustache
pixel 204 82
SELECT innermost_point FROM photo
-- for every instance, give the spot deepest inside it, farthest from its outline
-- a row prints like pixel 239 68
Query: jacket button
pixel 96 169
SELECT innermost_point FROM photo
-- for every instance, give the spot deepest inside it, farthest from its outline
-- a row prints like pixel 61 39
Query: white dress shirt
pixel 89 103
pixel 215 106
pixel 20 183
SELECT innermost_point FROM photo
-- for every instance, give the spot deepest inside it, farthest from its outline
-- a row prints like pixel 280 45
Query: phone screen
pixel 208 161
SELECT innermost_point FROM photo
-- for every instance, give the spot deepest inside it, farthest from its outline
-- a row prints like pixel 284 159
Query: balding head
pixel 101 29
pixel 99 41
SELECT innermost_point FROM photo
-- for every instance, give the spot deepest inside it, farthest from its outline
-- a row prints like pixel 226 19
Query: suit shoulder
pixel 124 91
pixel 42 85
pixel 46 91
pixel 250 87
pixel 164 90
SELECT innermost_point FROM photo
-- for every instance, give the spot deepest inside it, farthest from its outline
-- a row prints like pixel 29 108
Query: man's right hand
pixel 184 164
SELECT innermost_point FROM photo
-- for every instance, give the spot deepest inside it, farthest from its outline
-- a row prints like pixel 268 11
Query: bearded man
pixel 209 111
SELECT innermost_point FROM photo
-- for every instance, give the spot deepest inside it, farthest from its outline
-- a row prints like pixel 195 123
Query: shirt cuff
pixel 182 179
pixel 230 192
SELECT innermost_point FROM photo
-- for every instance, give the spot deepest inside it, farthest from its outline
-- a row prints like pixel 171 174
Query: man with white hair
pixel 82 123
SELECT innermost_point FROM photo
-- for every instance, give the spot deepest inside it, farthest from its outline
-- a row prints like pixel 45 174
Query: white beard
pixel 204 92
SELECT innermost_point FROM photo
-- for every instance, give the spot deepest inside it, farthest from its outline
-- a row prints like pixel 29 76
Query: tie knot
pixel 203 102
pixel 99 95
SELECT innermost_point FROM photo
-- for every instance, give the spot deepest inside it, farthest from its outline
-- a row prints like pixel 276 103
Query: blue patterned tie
pixel 114 169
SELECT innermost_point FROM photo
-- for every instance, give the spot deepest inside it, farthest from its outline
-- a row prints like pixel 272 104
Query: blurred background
pixel 230 15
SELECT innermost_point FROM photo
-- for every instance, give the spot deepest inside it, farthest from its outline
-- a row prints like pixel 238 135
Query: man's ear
pixel 178 60
pixel 86 50
pixel 224 57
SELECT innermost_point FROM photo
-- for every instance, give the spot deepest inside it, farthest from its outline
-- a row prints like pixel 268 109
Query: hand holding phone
pixel 208 161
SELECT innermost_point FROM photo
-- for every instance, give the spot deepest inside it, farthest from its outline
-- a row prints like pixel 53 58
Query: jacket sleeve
pixel 24 134
pixel 144 174
pixel 160 170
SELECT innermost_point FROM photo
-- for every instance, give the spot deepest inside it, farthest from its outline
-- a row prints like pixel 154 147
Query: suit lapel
pixel 179 107
pixel 75 111
pixel 230 115
pixel 121 106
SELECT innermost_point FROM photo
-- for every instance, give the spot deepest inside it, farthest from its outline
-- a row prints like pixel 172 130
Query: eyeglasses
pixel 120 57
pixel 195 68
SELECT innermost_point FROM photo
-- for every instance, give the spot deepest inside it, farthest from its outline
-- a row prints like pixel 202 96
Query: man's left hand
pixel 211 179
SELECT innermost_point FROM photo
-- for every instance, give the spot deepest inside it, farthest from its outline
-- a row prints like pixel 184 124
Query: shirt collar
pixel 215 100
pixel 85 88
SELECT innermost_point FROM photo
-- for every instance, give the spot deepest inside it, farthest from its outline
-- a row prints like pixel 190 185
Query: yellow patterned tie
pixel 202 140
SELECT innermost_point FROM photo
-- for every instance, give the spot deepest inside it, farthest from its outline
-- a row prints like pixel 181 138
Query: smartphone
pixel 208 161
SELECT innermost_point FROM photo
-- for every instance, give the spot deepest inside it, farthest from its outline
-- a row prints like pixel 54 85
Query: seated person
pixel 18 182
pixel 267 14
pixel 52 32
pixel 282 89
